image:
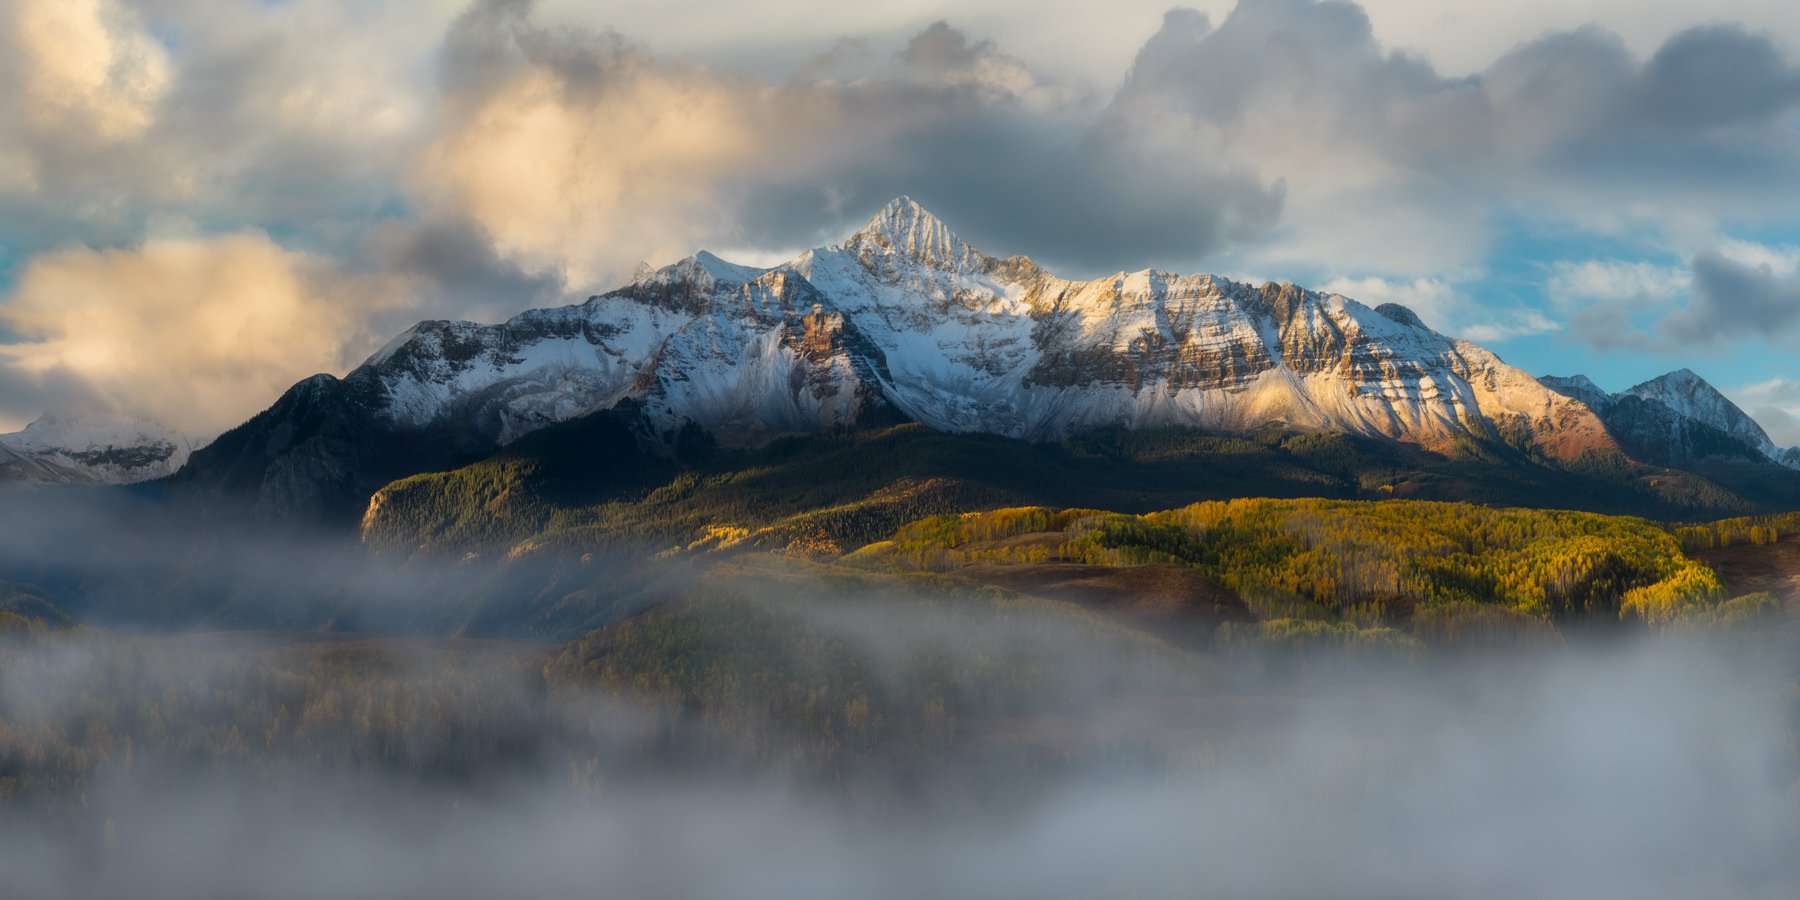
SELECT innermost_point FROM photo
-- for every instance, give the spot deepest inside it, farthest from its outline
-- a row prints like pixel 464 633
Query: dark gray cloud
pixel 1022 164
pixel 1019 161
pixel 1392 166
pixel 1609 327
pixel 26 394
pixel 1574 98
pixel 1734 299
pixel 1717 76
pixel 456 270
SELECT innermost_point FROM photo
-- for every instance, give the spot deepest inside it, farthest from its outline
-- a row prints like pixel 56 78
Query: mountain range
pixel 906 322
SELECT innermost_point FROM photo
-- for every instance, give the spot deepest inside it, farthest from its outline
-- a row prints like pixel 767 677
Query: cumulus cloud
pixel 1577 284
pixel 85 83
pixel 1738 290
pixel 578 151
pixel 294 115
pixel 84 68
pixel 197 332
pixel 1393 166
pixel 583 153
pixel 1446 308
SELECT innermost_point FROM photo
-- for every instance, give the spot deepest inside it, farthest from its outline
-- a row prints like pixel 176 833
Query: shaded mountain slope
pixel 828 494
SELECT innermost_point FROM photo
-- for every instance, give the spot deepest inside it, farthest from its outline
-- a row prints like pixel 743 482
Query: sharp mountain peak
pixel 906 227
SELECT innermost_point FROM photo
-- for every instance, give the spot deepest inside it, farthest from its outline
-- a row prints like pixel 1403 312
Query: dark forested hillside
pixel 585 483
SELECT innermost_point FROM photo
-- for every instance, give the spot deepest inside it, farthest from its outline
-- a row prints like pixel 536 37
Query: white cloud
pixel 1575 284
pixel 1445 308
pixel 83 68
pixel 1779 260
pixel 1434 300
pixel 1511 323
pixel 579 153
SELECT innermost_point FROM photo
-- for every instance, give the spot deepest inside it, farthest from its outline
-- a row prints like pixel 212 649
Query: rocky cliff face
pixel 904 318
pixel 90 448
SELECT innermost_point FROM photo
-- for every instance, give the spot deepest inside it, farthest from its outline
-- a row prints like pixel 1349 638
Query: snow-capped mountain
pixel 974 343
pixel 1677 418
pixel 741 351
pixel 91 448
pixel 905 313
pixel 905 317
pixel 1692 397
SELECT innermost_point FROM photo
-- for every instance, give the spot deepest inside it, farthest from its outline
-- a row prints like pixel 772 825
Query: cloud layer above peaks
pixel 383 160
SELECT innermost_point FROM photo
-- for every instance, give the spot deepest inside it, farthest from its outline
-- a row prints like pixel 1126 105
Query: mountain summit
pixel 1692 397
pixel 910 230
pixel 902 320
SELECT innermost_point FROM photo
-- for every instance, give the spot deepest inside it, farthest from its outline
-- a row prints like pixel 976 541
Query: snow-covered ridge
pixel 91 448
pixel 906 315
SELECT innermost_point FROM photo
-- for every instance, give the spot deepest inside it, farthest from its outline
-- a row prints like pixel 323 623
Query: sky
pixel 204 201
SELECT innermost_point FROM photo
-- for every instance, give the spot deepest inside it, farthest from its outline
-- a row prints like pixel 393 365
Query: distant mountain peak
pixel 704 266
pixel 1579 381
pixel 724 271
pixel 1401 314
pixel 1581 388
pixel 1660 417
pixel 906 227
pixel 94 447
pixel 1687 393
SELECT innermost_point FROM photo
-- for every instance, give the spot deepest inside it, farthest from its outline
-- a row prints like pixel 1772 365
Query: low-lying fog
pixel 894 747
pixel 1648 769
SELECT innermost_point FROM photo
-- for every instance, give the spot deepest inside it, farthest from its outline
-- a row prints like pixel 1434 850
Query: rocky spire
pixel 906 228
